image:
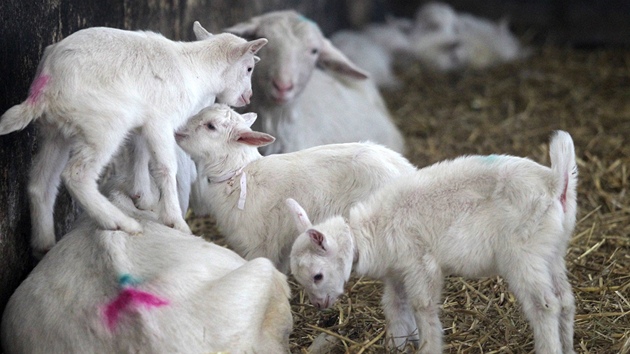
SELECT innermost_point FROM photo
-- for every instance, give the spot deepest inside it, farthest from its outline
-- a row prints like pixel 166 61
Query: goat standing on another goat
pixel 96 87
pixel 301 104
pixel 245 191
pixel 473 216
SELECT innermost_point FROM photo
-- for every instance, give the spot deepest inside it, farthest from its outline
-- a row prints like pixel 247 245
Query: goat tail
pixel 21 115
pixel 564 169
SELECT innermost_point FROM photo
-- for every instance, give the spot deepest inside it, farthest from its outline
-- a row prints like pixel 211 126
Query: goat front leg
pixel 401 323
pixel 423 284
pixel 161 142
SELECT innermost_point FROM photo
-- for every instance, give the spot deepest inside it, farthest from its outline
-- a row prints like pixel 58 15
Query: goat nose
pixel 282 86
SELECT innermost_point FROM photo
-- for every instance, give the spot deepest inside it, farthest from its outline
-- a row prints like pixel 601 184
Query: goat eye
pixel 249 69
pixel 314 51
pixel 210 126
pixel 318 277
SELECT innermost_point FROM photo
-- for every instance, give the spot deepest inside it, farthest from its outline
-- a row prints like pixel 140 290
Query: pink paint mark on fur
pixel 37 87
pixel 127 300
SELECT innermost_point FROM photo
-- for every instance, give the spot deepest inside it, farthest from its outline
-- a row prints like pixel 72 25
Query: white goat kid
pixel 304 106
pixel 245 191
pixel 435 38
pixel 101 291
pixel 447 40
pixel 96 87
pixel 473 216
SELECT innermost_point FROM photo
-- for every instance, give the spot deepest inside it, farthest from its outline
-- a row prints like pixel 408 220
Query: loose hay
pixel 511 109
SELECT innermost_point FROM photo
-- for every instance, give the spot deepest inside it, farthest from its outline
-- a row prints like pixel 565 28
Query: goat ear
pixel 200 32
pixel 317 239
pixel 333 59
pixel 245 29
pixel 255 138
pixel 251 47
pixel 299 215
pixel 250 118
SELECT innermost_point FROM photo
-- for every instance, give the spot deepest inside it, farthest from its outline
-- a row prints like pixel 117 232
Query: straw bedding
pixel 511 109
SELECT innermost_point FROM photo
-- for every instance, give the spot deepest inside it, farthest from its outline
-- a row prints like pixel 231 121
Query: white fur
pixel 301 104
pixel 217 301
pixel 374 49
pixel 130 167
pixel 444 39
pixel 327 180
pixel 474 216
pixel 104 83
pixel 489 43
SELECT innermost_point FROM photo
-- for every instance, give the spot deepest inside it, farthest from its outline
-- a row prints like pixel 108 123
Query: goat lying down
pixel 308 93
pixel 102 291
pixel 473 216
pixel 245 191
pixel 99 85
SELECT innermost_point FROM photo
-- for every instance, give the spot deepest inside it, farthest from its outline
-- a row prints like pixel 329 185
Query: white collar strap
pixel 243 183
pixel 225 177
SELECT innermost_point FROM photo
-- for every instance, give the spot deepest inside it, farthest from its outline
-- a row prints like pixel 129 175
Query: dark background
pixel 27 27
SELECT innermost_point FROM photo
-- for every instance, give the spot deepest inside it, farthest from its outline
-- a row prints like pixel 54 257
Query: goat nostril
pixel 281 86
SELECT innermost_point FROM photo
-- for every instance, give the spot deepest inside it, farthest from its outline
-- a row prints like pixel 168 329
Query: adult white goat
pixel 245 191
pixel 102 291
pixel 304 106
pixel 97 86
pixel 473 216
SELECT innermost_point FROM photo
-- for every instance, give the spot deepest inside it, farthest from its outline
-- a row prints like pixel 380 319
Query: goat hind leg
pixel 43 186
pixel 81 175
pixel 141 193
pixel 531 283
pixel 567 305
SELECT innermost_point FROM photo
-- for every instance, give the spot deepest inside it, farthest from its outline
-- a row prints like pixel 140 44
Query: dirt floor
pixel 511 109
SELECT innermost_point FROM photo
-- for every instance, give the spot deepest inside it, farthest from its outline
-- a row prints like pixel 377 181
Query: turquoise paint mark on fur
pixel 128 280
pixel 490 158
pixel 304 18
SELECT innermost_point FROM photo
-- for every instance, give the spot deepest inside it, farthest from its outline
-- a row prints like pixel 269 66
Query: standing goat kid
pixel 96 87
pixel 245 191
pixel 473 216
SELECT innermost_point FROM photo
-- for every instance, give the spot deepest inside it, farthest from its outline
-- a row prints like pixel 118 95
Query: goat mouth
pixel 242 101
pixel 327 303
pixel 324 303
pixel 180 136
pixel 280 99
